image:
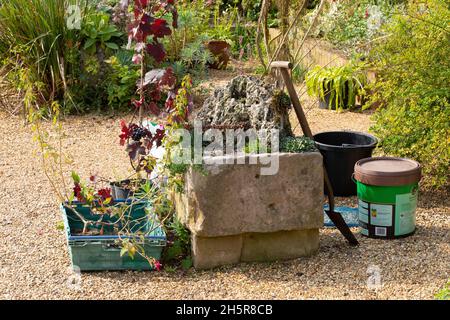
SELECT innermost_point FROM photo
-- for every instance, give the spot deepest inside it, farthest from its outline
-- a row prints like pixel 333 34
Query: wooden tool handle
pixel 281 65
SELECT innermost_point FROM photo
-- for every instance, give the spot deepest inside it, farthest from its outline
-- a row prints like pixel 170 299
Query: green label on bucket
pixel 405 218
pixel 381 215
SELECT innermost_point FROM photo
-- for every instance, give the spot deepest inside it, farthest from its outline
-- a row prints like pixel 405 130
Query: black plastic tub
pixel 120 191
pixel 340 151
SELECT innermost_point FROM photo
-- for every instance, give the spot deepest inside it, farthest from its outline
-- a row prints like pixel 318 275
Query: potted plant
pixel 108 234
pixel 336 87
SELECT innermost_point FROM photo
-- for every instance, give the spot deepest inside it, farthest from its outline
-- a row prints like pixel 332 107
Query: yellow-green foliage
pixel 413 88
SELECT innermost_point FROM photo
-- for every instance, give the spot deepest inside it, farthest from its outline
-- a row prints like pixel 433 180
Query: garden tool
pixel 335 217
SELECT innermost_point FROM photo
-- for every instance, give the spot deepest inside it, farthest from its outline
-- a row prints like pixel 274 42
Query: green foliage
pixel 287 144
pixel 412 88
pixel 195 56
pixel 444 294
pixel 62 63
pixel 121 85
pixel 343 84
pixel 297 145
pixel 179 252
pixel 103 82
pixel 98 30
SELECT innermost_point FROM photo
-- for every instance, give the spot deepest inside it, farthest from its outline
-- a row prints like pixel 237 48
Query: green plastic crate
pixel 91 253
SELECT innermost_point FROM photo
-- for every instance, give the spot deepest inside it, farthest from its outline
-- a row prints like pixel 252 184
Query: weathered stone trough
pixel 235 214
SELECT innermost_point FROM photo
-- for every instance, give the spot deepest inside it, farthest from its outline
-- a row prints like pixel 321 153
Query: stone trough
pixel 234 212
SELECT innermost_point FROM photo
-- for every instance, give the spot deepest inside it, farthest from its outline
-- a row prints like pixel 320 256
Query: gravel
pixel 35 262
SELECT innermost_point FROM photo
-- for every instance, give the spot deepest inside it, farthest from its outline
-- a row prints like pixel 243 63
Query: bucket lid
pixel 387 171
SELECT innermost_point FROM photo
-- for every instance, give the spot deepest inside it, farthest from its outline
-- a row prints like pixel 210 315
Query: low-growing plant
pixel 195 56
pixel 297 144
pixel 178 253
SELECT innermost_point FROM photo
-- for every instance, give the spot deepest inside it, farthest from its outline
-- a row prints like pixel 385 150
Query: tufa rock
pixel 248 102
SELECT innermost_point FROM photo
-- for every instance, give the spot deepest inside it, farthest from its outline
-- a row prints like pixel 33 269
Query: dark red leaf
pixel 104 193
pixel 77 192
pixel 138 103
pixel 168 79
pixel 125 132
pixel 154 109
pixel 159 136
pixel 159 28
pixel 145 27
pixel 156 50
pixel 155 94
pixel 141 3
pixel 175 18
pixel 135 149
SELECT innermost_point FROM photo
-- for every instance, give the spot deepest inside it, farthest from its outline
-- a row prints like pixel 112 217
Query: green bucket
pixel 387 190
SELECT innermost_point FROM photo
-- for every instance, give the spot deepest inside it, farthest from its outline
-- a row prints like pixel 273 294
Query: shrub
pixel 413 80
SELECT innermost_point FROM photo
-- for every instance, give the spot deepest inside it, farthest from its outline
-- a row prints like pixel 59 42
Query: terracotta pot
pixel 221 50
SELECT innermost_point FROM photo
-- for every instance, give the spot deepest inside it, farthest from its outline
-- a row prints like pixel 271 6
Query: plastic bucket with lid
pixel 387 191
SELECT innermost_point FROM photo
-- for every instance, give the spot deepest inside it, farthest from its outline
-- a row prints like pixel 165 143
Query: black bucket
pixel 340 151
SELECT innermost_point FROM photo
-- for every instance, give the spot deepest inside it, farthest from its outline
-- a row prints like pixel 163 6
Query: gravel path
pixel 35 263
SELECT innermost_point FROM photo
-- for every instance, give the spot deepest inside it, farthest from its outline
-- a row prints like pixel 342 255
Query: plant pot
pixel 221 50
pixel 120 189
pixel 325 102
pixel 330 103
pixel 102 252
